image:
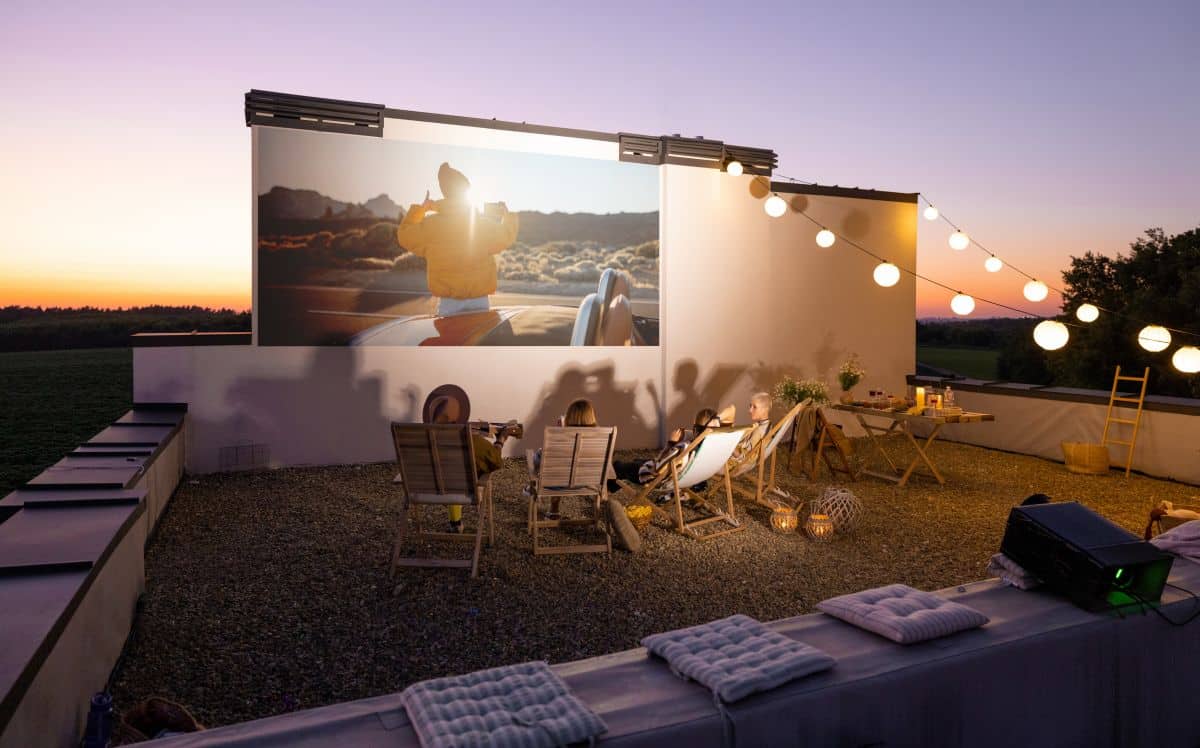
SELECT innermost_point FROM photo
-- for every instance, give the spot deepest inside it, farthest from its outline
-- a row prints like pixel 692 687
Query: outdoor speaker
pixel 1082 555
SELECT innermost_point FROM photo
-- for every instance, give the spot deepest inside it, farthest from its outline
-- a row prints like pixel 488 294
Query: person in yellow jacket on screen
pixel 458 243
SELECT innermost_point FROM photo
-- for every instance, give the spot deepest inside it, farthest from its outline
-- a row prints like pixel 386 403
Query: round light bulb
pixel 825 238
pixel 1087 313
pixel 1035 290
pixel 734 168
pixel 962 304
pixel 1051 335
pixel 886 274
pixel 959 241
pixel 775 206
pixel 993 264
pixel 1187 359
pixel 1154 338
pixel 931 213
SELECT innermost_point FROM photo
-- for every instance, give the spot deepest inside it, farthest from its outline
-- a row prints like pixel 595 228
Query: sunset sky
pixel 1043 132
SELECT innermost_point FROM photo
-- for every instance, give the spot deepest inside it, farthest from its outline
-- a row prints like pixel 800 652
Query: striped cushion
pixel 902 614
pixel 736 656
pixel 515 706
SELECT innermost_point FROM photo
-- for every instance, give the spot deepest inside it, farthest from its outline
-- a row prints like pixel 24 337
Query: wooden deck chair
pixel 834 448
pixel 574 463
pixel 437 466
pixel 704 459
pixel 758 464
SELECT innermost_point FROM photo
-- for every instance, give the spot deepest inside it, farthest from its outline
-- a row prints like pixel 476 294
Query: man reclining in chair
pixel 760 417
pixel 643 472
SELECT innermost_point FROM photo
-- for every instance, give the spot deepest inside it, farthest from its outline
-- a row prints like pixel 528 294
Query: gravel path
pixel 269 592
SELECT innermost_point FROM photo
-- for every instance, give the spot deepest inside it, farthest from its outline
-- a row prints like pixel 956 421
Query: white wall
pixel 749 298
pixel 1167 444
pixel 745 298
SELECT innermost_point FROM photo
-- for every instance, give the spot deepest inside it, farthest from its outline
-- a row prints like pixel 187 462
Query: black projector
pixel 1080 554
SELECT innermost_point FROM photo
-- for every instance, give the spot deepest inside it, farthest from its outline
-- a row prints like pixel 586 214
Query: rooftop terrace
pixel 268 592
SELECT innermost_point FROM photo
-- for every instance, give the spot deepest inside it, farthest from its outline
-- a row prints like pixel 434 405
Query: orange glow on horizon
pixel 80 292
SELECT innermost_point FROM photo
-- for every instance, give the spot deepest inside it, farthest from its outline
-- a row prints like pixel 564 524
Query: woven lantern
pixel 784 518
pixel 819 527
pixel 841 505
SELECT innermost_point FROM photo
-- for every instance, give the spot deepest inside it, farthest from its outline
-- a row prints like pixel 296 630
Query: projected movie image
pixel 367 241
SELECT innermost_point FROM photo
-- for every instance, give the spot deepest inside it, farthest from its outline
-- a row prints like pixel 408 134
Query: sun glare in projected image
pixel 365 241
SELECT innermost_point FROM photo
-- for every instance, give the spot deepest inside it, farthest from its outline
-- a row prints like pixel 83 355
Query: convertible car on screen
pixel 604 317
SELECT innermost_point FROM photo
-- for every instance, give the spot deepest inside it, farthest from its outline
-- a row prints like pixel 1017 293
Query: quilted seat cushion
pixel 736 656
pixel 515 706
pixel 903 614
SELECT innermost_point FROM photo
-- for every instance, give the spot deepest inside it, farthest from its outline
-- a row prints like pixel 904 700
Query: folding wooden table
pixel 902 423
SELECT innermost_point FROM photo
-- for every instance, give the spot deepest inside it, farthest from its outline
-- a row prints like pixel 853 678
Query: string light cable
pixel 936 214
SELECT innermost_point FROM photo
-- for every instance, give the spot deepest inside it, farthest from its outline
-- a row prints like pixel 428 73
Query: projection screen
pixel 370 241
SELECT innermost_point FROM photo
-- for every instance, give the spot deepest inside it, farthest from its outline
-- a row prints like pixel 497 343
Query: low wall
pixel 72 567
pixel 1036 420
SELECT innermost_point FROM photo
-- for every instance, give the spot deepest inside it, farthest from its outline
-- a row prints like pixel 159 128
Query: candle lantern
pixel 819 527
pixel 784 518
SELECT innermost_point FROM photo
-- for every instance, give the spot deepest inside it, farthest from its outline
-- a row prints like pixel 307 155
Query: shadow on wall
pixel 615 403
pixel 327 414
pixel 689 394
pixel 823 362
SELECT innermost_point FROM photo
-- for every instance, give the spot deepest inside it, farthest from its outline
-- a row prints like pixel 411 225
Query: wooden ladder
pixel 1135 421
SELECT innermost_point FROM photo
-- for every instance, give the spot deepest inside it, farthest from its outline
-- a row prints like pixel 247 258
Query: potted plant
pixel 791 391
pixel 849 375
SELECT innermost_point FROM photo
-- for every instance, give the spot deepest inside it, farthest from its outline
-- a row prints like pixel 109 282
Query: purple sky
pixel 1043 132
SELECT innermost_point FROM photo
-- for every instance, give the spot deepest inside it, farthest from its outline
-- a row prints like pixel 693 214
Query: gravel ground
pixel 269 592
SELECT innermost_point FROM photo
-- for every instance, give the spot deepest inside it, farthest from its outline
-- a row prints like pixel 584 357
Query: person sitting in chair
pixel 580 413
pixel 449 404
pixel 760 421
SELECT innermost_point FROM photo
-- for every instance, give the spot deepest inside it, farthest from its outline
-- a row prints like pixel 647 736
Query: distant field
pixel 978 363
pixel 51 401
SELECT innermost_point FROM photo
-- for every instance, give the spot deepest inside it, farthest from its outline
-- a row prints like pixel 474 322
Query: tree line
pixel 1157 282
pixel 24 328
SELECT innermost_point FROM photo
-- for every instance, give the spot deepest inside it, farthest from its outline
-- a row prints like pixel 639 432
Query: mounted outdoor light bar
pixel 357 118
pixel 711 154
pixel 311 113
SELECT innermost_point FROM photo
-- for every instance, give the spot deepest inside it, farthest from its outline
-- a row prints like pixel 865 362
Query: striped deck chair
pixel 437 466
pixel 757 465
pixel 704 459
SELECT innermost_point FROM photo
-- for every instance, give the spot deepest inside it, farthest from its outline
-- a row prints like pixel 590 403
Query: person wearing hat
pixel 458 244
pixel 448 403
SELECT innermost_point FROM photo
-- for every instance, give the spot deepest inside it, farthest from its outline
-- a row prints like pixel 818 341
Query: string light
pixel 886 274
pixel 1187 359
pixel 1051 334
pixel 825 238
pixel 734 167
pixel 1035 290
pixel 775 206
pixel 962 304
pixel 1154 338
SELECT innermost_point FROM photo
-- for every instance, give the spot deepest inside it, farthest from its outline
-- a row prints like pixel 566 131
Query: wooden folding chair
pixel 758 464
pixel 833 448
pixel 437 466
pixel 705 458
pixel 574 463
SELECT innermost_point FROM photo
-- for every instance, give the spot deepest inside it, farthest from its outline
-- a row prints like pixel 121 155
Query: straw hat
pixel 455 396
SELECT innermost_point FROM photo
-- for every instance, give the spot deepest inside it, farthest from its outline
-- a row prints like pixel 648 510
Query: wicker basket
pixel 1086 458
